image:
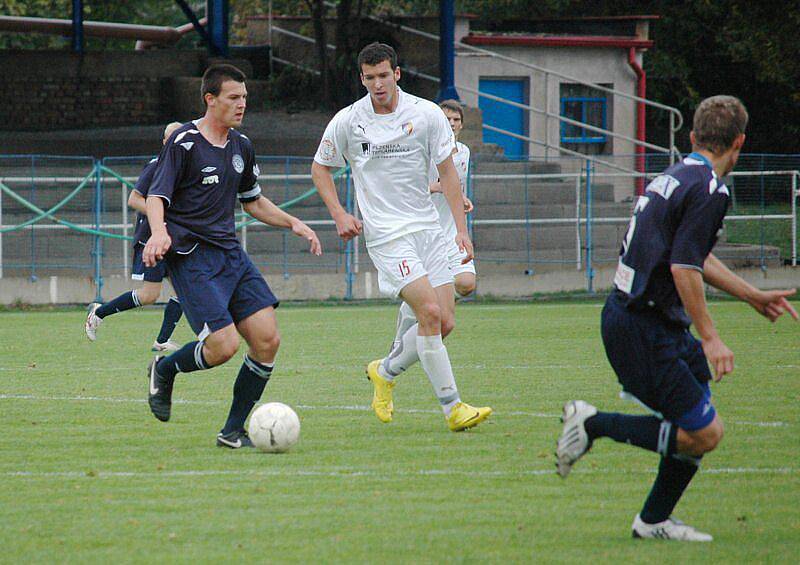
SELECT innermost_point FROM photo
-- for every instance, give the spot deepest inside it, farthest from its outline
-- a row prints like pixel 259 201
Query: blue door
pixel 504 116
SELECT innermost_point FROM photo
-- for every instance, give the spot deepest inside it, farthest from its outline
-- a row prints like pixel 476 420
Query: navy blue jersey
pixel 200 183
pixel 676 222
pixel 142 232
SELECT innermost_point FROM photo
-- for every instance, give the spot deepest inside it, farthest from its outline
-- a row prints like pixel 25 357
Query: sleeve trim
pixel 252 193
pixel 685 266
pixel 169 202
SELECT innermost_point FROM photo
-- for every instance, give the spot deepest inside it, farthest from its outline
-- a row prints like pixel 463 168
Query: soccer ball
pixel 274 427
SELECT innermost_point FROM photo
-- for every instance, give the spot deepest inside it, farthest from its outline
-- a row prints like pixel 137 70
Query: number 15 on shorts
pixel 405 270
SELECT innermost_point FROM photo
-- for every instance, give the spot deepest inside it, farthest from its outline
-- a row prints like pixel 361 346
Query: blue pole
pixel 217 12
pixel 447 25
pixel 98 242
pixel 34 277
pixel 589 269
pixel 77 26
pixel 528 242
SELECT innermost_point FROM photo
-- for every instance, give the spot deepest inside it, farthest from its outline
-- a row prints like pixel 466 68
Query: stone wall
pixel 45 90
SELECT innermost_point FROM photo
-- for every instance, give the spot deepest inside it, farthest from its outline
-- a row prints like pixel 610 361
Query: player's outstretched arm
pixel 689 283
pixel 160 241
pixel 769 303
pixel 347 225
pixel 264 210
pixel 451 187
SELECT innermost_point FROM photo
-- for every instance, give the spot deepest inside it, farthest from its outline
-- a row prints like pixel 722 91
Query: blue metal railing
pixel 74 210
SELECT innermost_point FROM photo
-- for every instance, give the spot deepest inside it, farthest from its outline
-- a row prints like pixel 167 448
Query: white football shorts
pixel 454 258
pixel 403 260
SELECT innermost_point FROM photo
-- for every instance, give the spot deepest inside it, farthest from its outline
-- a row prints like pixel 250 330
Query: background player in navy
pixel 152 276
pixel 203 168
pixel 664 261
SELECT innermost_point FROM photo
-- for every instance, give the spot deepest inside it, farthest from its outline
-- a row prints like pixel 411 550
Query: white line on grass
pixel 352 473
pixel 350 408
pixel 353 408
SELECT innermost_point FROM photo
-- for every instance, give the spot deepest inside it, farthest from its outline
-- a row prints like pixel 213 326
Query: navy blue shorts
pixel 661 364
pixel 150 274
pixel 218 287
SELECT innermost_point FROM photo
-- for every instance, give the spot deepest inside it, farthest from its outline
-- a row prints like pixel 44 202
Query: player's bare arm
pixel 159 242
pixel 137 202
pixel 770 303
pixel 265 211
pixel 451 187
pixel 347 225
pixel 689 283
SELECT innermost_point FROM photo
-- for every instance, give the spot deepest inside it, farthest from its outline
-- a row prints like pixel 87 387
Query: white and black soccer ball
pixel 274 427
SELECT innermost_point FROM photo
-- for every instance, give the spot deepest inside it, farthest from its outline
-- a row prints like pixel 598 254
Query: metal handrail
pixel 672 110
pixel 549 114
pixel 672 151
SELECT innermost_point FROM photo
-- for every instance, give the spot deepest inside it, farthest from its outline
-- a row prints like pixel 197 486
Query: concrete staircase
pixel 502 190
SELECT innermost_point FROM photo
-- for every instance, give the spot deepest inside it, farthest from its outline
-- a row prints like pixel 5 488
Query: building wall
pixel 597 65
pixel 45 90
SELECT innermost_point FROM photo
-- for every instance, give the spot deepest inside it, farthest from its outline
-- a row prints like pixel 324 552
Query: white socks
pixel 435 361
pixel 405 319
pixel 402 356
pixel 409 347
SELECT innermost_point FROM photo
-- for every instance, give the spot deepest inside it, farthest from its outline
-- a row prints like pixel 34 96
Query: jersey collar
pixel 699 157
pixel 400 95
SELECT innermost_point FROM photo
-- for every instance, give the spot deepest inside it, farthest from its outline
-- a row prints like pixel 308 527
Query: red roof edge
pixel 558 41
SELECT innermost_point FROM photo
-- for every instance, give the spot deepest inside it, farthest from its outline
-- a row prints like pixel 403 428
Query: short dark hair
pixel 717 122
pixel 375 53
pixel 215 75
pixel 453 106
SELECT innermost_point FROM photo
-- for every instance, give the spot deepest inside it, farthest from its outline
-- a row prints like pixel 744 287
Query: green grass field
pixel 88 475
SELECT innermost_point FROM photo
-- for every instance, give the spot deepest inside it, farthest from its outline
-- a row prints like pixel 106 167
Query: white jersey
pixel 461 162
pixel 389 155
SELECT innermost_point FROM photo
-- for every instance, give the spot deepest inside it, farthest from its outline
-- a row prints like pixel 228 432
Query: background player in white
pixel 464 273
pixel 389 138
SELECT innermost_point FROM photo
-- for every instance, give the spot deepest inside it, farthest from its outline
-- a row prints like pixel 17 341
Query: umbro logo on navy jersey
pixel 212 179
pixel 208 169
pixel 187 145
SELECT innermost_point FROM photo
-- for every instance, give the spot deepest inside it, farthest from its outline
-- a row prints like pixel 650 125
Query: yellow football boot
pixel 463 416
pixel 382 396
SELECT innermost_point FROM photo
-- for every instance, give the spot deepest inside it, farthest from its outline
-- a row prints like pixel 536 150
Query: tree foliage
pixel 706 47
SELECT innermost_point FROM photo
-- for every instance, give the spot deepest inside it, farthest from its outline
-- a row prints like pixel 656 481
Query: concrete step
pixel 565 258
pixel 509 238
pixel 741 255
pixel 511 191
pixel 490 211
pixel 488 165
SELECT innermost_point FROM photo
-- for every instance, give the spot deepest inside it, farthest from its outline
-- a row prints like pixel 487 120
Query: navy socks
pixel 250 383
pixel 674 475
pixel 187 359
pixel 647 432
pixel 123 302
pixel 172 313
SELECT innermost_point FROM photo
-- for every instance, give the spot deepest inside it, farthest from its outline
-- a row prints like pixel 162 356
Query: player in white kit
pixel 464 273
pixel 389 138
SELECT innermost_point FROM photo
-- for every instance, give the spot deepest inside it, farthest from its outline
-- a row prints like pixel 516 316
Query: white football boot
pixel 167 346
pixel 668 529
pixel 92 321
pixel 574 442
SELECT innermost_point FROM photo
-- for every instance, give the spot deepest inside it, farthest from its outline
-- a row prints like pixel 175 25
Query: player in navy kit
pixel 664 261
pixel 152 276
pixel 202 170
